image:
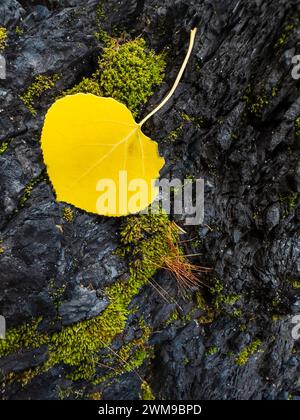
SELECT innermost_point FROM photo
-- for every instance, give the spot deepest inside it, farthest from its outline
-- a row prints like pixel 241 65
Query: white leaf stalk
pixel 177 81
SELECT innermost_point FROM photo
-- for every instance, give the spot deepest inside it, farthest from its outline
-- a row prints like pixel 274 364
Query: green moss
pixel 28 190
pixel 275 92
pixel 129 72
pixel 289 202
pixel 259 105
pixel 4 146
pixel 283 39
pixel 3 38
pixel 19 31
pixel 276 317
pixel 177 132
pixel 230 299
pixel 247 94
pixel 95 396
pixel 197 121
pixel 297 127
pixel 211 351
pixel 100 34
pixel 295 283
pixel 237 313
pixel 26 336
pixel 130 356
pixel 249 351
pixel 35 91
pixel 217 287
pixel 85 86
pixel 146 392
pixel 172 318
pixel 68 214
pixel 220 299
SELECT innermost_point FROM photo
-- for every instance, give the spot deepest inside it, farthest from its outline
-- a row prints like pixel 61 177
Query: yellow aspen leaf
pixel 98 158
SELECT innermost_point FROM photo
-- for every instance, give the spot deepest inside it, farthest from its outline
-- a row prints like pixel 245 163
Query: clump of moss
pixel 220 299
pixel 295 283
pixel 100 34
pixel 197 121
pixel 28 190
pixel 174 134
pixel 19 31
pixel 3 147
pixel 297 127
pixel 145 241
pixel 283 39
pixel 289 203
pixel 129 72
pixel 178 131
pixel 258 106
pixel 172 318
pixel 95 396
pixel 165 252
pixel 3 38
pixel 87 85
pixel 211 351
pixel 249 351
pixel 146 392
pixel 34 92
pixel 68 214
pixel 202 305
pixel 26 336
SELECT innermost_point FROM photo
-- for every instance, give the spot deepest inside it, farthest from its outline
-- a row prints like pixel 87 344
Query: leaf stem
pixel 177 81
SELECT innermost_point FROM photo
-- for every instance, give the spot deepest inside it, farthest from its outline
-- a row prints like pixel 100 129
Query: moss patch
pixel 295 283
pixel 145 240
pixel 34 92
pixel 284 37
pixel 172 318
pixel 3 38
pixel 211 351
pixel 68 214
pixel 289 203
pixel 249 351
pixel 100 34
pixel 87 85
pixel 146 392
pixel 24 337
pixel 220 299
pixel 259 105
pixel 28 190
pixel 297 127
pixel 127 71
